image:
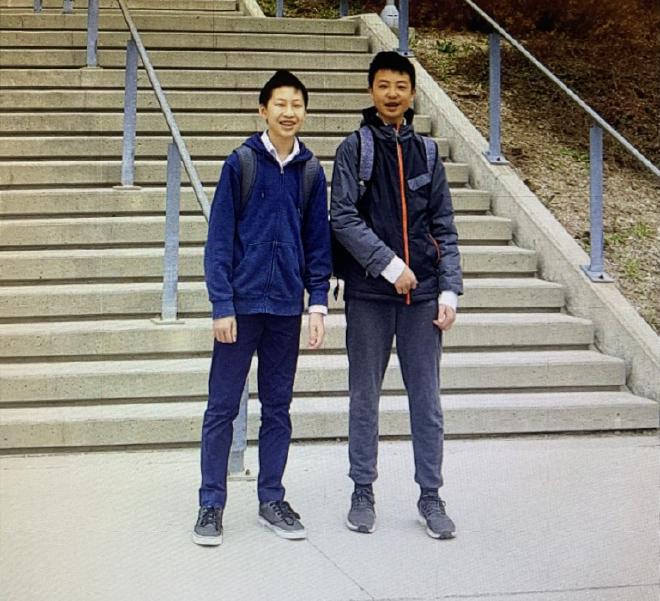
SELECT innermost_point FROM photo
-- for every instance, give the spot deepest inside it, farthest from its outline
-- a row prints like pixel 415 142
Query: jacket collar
pixel 370 117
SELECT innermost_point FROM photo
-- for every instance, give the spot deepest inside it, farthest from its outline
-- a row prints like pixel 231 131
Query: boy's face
pixel 285 112
pixel 392 94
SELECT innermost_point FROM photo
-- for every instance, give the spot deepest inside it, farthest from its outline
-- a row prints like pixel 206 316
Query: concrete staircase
pixel 82 364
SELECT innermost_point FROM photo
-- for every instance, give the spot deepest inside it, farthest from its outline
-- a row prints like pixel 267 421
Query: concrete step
pixel 139 337
pixel 319 418
pixel 186 41
pixel 209 79
pixel 86 123
pixel 81 5
pixel 191 59
pixel 147 172
pixel 114 231
pixel 14 100
pixel 62 202
pixel 182 379
pixel 107 264
pixel 107 301
pixel 179 23
pixel 149 147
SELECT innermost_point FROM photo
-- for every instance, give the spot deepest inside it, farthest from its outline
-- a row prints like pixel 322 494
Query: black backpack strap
pixel 248 162
pixel 309 176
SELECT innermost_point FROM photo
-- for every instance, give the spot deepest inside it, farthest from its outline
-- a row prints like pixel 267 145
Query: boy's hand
pixel 406 281
pixel 446 317
pixel 225 329
pixel 316 330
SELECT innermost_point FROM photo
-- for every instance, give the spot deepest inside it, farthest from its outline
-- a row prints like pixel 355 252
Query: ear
pixel 263 111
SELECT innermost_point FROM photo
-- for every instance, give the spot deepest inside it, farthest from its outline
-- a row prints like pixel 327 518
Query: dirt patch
pixel 553 159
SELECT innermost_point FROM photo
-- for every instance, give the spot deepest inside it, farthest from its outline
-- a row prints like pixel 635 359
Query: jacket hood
pixel 254 142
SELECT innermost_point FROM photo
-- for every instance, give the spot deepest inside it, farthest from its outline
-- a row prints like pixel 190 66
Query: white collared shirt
pixel 273 151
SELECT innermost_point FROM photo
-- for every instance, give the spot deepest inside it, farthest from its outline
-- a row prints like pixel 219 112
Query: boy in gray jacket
pixel 391 213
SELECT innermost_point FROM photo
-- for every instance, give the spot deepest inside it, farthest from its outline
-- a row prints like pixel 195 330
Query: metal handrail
pixel 562 86
pixel 202 199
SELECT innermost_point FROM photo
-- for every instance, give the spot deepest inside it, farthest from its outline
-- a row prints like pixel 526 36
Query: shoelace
pixel 285 512
pixel 431 504
pixel 362 498
pixel 209 516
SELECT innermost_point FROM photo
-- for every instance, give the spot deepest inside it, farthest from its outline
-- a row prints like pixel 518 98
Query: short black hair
pixel 281 79
pixel 391 61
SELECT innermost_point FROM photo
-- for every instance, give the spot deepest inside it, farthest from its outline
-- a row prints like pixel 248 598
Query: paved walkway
pixel 539 519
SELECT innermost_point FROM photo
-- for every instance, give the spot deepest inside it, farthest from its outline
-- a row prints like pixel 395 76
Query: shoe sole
pixel 299 535
pixel 361 528
pixel 207 541
pixel 441 535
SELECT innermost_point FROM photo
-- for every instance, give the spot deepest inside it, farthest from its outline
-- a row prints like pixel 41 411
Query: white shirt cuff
pixel 449 298
pixel 393 270
pixel 318 309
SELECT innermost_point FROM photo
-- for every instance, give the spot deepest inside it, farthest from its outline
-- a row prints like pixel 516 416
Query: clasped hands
pixel 407 282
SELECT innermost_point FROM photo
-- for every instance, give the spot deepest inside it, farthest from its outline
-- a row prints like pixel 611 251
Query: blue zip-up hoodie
pixel 261 259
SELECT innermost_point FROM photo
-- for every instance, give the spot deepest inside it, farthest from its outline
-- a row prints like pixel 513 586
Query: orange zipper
pixel 404 207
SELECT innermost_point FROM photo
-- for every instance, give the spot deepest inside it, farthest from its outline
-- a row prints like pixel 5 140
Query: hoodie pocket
pixel 286 282
pixel 252 273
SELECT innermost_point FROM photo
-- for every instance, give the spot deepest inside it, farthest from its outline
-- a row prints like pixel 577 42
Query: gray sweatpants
pixel 371 327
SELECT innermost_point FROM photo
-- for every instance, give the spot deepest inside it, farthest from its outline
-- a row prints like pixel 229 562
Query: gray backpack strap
pixel 431 154
pixel 248 163
pixel 366 162
pixel 366 166
pixel 310 173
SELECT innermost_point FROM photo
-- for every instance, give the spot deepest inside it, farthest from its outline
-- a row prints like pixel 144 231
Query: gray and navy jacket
pixel 260 258
pixel 414 221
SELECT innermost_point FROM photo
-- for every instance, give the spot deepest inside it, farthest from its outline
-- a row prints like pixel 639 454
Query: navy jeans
pixel 276 339
pixel 370 329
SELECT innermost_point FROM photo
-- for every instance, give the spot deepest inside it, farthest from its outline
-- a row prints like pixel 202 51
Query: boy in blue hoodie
pixel 261 254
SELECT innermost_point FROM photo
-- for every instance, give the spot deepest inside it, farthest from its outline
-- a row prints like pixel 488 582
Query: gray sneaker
pixel 208 529
pixel 362 516
pixel 432 514
pixel 282 520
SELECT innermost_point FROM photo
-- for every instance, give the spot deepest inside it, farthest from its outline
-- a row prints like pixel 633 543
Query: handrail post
pixel 596 270
pixel 343 8
pixel 279 9
pixel 172 227
pixel 68 7
pixel 130 116
pixel 404 50
pixel 239 441
pixel 92 32
pixel 494 152
pixel 38 4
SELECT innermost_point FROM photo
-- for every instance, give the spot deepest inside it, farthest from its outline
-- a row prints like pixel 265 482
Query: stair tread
pixel 306 362
pixel 332 320
pixel 450 402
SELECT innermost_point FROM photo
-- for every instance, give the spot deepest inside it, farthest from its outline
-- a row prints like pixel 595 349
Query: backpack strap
pixel 366 165
pixel 248 163
pixel 310 173
pixel 431 154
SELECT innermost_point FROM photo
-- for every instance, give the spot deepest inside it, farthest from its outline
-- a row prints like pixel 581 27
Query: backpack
pixel 247 159
pixel 365 170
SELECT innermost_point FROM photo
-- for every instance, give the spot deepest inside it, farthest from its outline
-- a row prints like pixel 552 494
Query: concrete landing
pixel 539 519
